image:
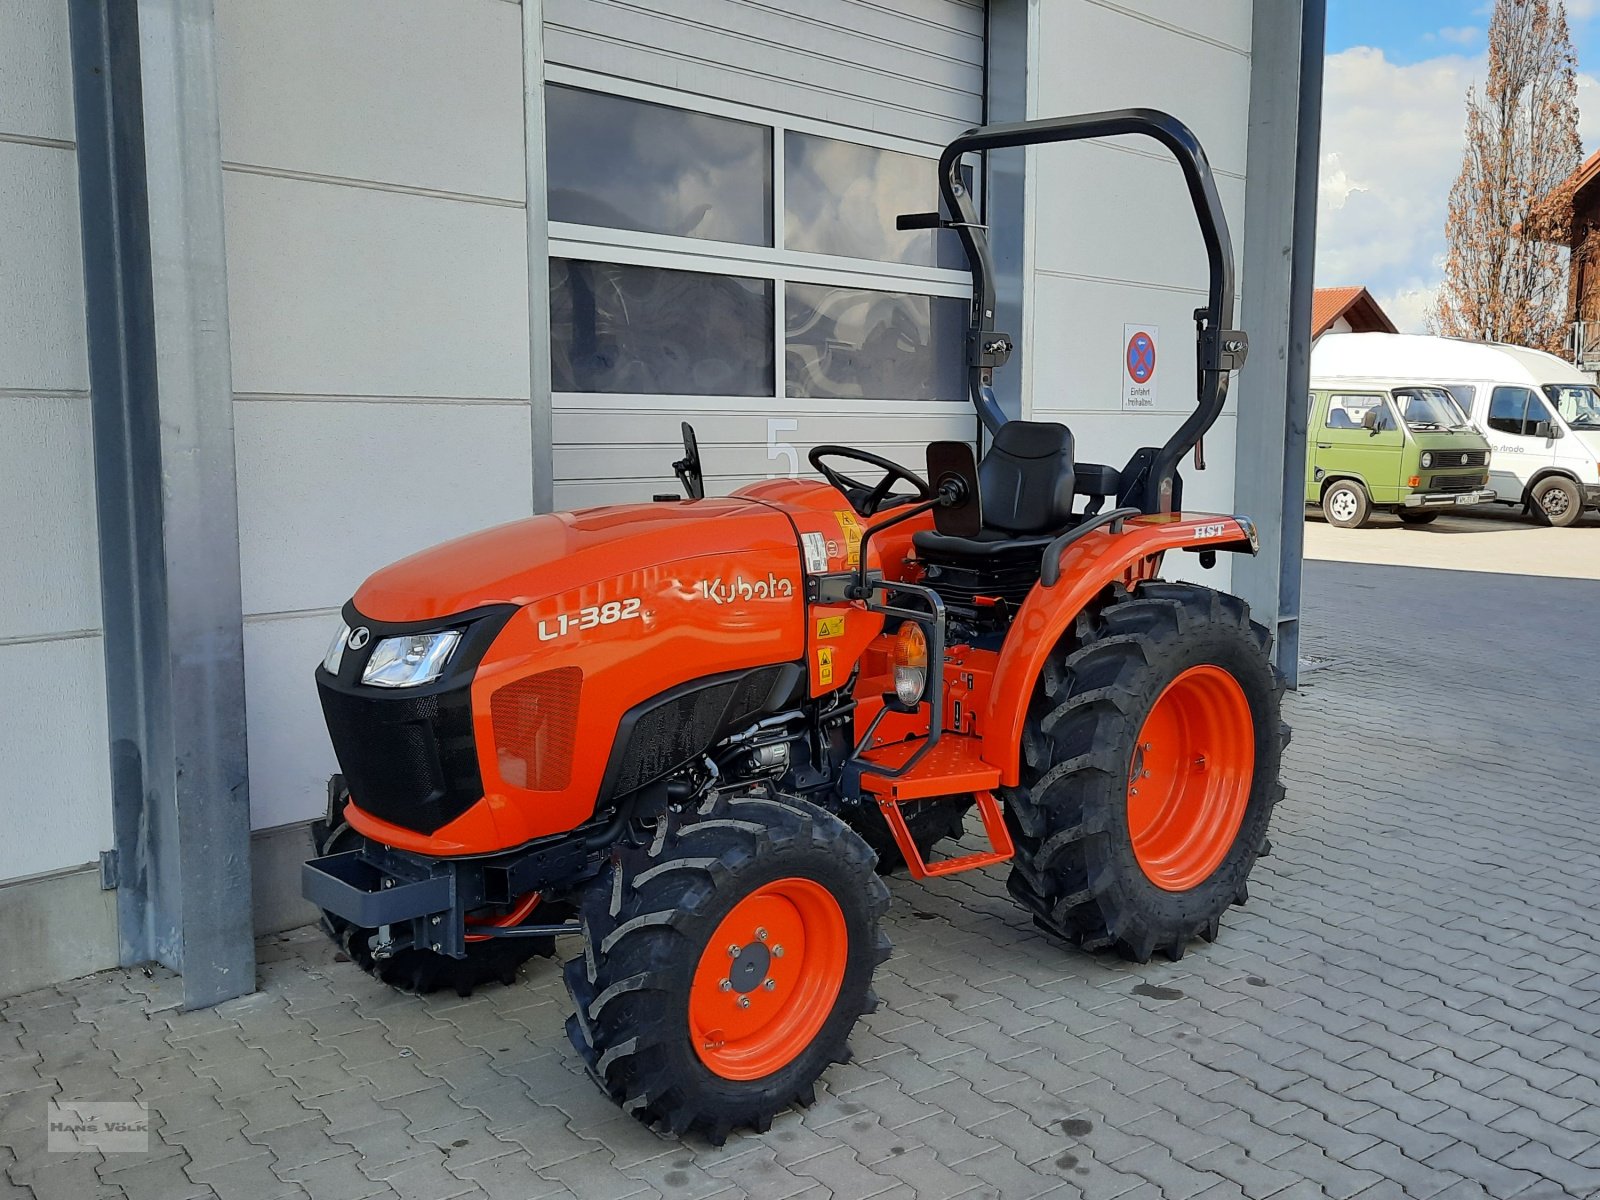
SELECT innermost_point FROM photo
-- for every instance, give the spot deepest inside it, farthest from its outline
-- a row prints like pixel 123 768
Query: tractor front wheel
pixel 726 963
pixel 1149 772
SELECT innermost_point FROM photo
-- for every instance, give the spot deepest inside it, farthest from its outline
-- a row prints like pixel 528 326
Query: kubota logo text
pixel 727 591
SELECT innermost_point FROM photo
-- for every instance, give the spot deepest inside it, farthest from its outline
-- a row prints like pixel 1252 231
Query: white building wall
pixel 55 789
pixel 1112 236
pixel 378 290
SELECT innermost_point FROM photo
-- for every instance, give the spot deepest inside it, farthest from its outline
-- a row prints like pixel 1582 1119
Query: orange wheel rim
pixel 515 915
pixel 1189 778
pixel 768 979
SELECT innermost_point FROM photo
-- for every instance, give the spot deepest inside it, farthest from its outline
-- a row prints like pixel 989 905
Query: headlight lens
pixel 1427 459
pixel 411 660
pixel 335 655
pixel 910 658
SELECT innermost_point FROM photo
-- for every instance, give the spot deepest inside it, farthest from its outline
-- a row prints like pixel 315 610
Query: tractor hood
pixel 544 556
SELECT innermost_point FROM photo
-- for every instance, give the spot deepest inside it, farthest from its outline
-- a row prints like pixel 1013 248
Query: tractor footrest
pixel 951 768
pixel 994 825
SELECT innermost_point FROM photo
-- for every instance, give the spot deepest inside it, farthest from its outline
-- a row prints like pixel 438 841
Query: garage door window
pixel 855 343
pixel 842 198
pixel 629 164
pixel 685 258
pixel 640 330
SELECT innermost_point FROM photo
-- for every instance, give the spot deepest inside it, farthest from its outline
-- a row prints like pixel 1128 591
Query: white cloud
pixel 1391 148
pixel 1410 307
pixel 1460 35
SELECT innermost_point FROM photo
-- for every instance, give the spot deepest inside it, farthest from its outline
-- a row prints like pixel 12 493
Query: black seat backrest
pixel 1026 478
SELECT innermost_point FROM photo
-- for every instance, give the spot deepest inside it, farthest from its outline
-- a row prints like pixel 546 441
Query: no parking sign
pixel 1139 366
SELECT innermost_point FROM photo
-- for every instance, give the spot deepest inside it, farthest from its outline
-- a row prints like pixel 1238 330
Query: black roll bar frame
pixel 1220 349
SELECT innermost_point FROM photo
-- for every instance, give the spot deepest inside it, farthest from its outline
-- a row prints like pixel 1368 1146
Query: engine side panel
pixel 553 687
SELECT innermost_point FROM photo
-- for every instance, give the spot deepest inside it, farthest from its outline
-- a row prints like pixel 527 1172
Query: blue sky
pixel 1393 102
pixel 1407 32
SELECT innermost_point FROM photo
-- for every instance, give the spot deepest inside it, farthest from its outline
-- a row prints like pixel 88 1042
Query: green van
pixel 1406 450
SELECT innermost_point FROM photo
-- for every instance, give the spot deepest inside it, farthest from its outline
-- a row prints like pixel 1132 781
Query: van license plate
pixel 1469 498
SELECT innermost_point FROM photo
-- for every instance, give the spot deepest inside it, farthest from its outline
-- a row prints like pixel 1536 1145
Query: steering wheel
pixel 866 500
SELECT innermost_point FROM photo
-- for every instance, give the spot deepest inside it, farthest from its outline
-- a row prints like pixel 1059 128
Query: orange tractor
pixel 694 731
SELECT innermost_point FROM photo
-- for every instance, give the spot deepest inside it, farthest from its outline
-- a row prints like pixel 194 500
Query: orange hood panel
pixel 537 557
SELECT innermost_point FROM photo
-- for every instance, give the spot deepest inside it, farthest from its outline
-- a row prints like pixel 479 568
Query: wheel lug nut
pixel 770 984
pixel 726 985
pixel 761 935
pixel 777 952
pixel 733 951
pixel 744 1001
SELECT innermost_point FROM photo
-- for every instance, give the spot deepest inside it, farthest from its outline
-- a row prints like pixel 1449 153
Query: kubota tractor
pixel 690 730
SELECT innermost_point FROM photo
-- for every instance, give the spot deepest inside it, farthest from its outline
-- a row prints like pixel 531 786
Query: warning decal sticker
pixel 851 528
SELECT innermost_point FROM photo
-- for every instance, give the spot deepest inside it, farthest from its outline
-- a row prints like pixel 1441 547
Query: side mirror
pixel 1369 420
pixel 953 475
pixel 1546 429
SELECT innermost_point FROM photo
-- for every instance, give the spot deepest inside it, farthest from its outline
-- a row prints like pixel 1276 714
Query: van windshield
pixel 1429 408
pixel 1577 402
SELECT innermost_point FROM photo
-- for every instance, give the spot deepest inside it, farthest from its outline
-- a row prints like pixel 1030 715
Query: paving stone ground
pixel 1407 1007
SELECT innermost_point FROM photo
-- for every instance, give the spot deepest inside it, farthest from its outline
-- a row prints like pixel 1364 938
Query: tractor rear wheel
pixel 488 960
pixel 726 963
pixel 1149 771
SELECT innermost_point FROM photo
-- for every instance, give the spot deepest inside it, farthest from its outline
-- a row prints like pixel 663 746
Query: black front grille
pixel 410 761
pixel 1456 483
pixel 1446 459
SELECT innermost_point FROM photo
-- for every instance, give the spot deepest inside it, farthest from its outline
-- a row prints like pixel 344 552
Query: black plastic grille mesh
pixel 671 733
pixel 409 760
pixel 1457 483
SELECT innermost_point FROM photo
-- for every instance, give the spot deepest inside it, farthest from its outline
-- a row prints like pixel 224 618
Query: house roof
pixel 1355 304
pixel 1551 218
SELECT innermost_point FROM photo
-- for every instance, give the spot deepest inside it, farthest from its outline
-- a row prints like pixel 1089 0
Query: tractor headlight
pixel 1427 459
pixel 335 655
pixel 910 658
pixel 410 660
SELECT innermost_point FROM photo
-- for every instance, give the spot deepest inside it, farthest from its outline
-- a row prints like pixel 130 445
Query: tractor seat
pixel 1027 482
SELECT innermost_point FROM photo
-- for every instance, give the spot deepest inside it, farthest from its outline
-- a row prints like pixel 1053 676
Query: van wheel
pixel 1412 516
pixel 1557 501
pixel 1345 504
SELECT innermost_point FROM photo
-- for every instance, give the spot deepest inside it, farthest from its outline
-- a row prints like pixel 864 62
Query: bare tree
pixel 1505 275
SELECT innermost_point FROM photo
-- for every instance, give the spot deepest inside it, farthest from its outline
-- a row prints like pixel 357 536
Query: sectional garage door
pixel 723 181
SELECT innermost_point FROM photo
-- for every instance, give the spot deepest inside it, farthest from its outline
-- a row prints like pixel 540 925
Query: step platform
pixel 953 766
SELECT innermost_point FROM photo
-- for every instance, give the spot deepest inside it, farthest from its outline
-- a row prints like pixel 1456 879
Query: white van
pixel 1541 415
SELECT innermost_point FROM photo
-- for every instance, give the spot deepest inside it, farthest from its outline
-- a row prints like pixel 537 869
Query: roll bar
pixel 1220 349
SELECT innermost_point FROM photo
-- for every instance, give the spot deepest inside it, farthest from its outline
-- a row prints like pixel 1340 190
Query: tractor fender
pixel 1088 567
